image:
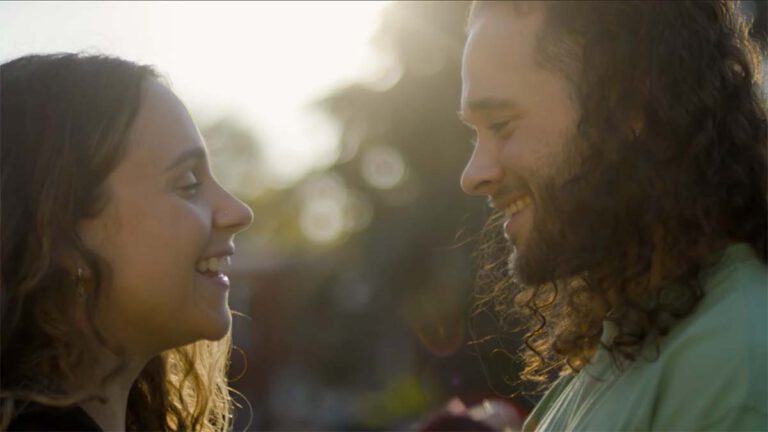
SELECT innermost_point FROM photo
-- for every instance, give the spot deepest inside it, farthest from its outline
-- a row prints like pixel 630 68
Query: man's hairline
pixel 545 42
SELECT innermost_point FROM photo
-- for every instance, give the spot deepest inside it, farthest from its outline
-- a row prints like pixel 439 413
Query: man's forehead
pixel 500 31
pixel 498 57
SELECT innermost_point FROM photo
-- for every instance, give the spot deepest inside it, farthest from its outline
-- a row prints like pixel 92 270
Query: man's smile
pixel 514 217
pixel 517 206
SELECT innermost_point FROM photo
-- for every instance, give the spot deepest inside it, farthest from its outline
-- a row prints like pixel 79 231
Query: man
pixel 623 145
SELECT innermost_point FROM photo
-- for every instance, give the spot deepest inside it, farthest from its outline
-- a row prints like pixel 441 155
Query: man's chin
pixel 527 267
pixel 513 266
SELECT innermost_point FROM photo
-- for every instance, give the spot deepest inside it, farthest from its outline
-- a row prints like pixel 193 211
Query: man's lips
pixel 503 205
pixel 518 206
pixel 513 207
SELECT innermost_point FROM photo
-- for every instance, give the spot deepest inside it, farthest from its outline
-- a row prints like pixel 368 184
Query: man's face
pixel 524 118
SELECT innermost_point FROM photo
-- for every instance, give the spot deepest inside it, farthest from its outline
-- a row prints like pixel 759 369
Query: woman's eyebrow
pixel 193 153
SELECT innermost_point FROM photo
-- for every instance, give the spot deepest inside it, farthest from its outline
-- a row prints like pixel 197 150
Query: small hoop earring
pixel 80 289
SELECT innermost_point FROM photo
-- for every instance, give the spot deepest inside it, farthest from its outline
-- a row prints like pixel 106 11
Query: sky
pixel 262 63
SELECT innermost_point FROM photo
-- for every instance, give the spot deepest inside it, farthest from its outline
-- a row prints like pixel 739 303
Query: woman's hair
pixel 65 119
pixel 672 166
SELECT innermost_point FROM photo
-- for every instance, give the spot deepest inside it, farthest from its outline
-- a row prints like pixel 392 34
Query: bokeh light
pixel 383 167
pixel 262 63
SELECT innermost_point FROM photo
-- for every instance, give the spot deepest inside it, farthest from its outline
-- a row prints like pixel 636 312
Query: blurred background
pixel 336 122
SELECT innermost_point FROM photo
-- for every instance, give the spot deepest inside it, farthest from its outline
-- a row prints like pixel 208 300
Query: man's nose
pixel 483 172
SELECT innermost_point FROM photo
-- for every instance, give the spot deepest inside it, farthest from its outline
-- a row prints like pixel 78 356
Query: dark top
pixel 37 417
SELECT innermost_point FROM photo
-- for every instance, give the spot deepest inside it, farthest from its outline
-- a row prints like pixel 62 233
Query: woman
pixel 116 240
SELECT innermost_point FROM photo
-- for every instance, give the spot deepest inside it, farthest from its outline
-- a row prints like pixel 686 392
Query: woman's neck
pixel 109 408
pixel 110 412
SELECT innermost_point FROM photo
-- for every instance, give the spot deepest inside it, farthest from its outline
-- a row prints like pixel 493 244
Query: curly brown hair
pixel 64 120
pixel 673 139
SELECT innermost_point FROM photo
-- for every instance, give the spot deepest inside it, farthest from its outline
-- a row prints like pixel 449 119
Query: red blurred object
pixel 490 415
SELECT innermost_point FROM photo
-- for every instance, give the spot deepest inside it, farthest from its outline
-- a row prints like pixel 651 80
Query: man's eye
pixel 498 127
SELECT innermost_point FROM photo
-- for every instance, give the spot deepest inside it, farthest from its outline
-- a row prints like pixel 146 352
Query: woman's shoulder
pixel 33 416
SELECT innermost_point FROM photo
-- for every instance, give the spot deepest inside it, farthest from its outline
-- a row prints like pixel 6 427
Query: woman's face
pixel 166 227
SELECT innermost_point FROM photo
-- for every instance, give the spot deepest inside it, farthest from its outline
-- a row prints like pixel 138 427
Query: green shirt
pixel 710 372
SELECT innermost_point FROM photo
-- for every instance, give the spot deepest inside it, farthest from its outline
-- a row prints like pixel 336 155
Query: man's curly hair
pixel 672 157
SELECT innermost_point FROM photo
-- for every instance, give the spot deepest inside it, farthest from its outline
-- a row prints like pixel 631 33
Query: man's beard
pixel 536 262
pixel 570 232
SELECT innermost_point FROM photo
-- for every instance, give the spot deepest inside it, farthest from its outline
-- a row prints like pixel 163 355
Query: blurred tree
pixel 395 298
pixel 756 12
pixel 370 289
pixel 235 156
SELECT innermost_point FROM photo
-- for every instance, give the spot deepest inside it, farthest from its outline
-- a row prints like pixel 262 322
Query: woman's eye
pixel 189 184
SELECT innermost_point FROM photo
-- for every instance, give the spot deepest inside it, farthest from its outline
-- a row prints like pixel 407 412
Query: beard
pixel 571 230
pixel 551 239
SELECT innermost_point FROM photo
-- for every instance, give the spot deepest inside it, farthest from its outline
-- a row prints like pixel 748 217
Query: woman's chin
pixel 214 327
pixel 219 326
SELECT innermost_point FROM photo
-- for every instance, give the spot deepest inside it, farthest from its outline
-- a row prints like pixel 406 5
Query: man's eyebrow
pixel 485 105
pixel 193 153
pixel 492 104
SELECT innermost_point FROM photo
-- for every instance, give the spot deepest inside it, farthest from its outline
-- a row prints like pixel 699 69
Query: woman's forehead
pixel 163 126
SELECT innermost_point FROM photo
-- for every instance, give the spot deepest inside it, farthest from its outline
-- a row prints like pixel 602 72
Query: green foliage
pixel 402 398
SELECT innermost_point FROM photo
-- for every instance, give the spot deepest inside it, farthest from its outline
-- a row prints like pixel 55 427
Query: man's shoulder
pixel 732 311
pixel 716 360
pixel 729 328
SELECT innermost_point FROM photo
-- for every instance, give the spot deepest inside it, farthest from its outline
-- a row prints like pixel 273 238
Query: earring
pixel 79 284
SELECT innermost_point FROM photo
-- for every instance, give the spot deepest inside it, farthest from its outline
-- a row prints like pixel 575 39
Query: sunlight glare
pixel 260 62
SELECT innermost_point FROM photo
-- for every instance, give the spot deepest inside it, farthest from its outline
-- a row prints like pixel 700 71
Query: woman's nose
pixel 233 214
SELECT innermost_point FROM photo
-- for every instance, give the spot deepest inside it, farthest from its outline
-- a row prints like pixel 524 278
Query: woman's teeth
pixel 517 206
pixel 214 264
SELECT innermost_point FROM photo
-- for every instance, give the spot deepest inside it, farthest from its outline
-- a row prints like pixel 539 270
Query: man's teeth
pixel 518 205
pixel 214 264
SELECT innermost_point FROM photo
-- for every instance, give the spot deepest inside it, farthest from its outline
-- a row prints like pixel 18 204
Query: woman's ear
pixel 637 123
pixel 71 259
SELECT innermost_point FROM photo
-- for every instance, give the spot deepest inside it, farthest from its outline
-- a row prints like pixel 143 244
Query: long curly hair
pixel 672 155
pixel 64 123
